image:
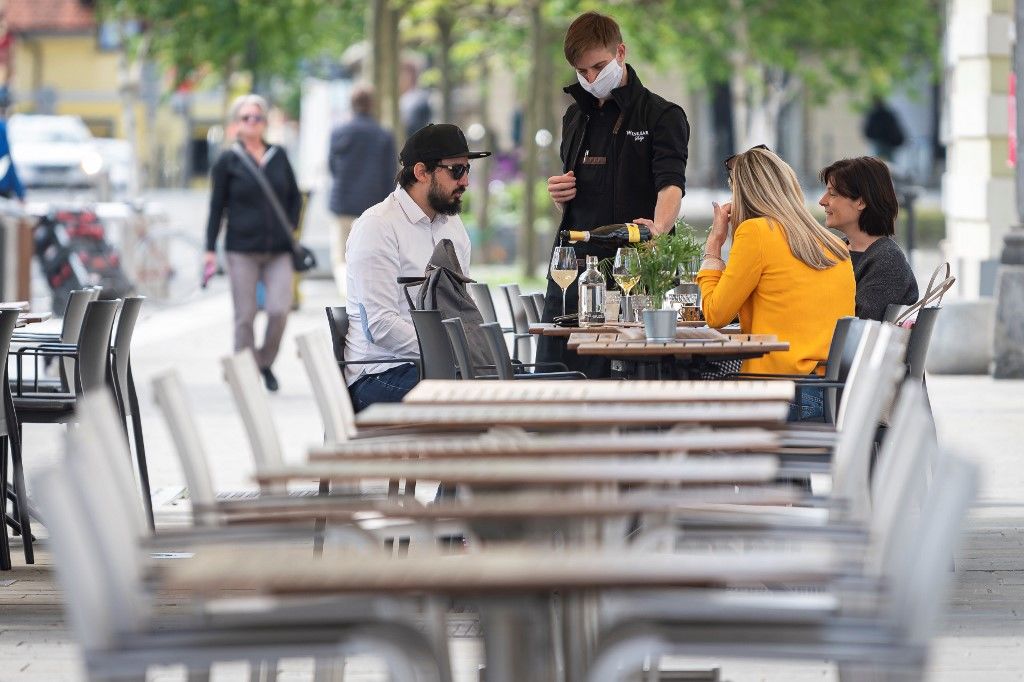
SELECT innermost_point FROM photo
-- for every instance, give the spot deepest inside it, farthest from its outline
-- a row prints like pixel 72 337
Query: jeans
pixel 384 387
pixel 810 405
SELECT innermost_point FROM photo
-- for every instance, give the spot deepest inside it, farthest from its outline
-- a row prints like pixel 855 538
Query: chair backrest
pixel 111 531
pixel 519 322
pixel 337 322
pixel 8 321
pixel 538 302
pixel 920 583
pixel 480 292
pixel 243 376
pixel 88 599
pixel 98 419
pixel 857 348
pixel 867 399
pixel 94 345
pixel 329 389
pixel 532 315
pixel 920 339
pixel 437 359
pixel 71 328
pixel 841 351
pixel 169 394
pixel 460 346
pixel 892 311
pixel 499 351
pixel 126 321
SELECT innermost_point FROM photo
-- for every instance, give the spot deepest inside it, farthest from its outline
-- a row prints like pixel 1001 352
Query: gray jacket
pixel 363 163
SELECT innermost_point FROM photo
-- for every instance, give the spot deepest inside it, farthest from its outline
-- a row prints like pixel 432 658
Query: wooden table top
pixel 293 570
pixel 533 471
pixel 523 444
pixel 736 345
pixel 696 501
pixel 550 329
pixel 572 416
pixel 517 392
pixel 20 305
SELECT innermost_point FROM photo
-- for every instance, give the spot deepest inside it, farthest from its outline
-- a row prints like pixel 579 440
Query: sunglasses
pixel 728 162
pixel 252 118
pixel 456 169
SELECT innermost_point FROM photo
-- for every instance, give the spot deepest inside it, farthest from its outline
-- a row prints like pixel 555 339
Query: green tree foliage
pixel 264 37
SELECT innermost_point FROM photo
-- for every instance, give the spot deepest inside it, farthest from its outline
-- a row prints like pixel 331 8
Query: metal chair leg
pixel 140 448
pixel 5 543
pixel 20 489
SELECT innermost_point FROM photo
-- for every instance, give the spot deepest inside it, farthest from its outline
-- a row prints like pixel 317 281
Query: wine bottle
pixel 618 233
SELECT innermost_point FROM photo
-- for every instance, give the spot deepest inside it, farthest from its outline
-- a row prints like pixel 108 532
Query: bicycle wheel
pixel 168 265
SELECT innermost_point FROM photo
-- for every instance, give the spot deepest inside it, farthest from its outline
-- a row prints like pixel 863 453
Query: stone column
pixel 1008 345
pixel 978 186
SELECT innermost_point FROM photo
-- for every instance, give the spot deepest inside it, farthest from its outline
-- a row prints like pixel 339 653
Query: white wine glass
pixel 563 269
pixel 626 269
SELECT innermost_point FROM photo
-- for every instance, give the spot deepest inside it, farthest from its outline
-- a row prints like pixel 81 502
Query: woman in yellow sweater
pixel 787 275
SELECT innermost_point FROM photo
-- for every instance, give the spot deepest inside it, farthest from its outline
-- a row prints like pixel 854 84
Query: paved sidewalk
pixel 983 640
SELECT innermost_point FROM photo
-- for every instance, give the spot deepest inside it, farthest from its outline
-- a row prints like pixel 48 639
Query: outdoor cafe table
pixel 479 417
pixel 632 355
pixel 510 442
pixel 584 391
pixel 512 587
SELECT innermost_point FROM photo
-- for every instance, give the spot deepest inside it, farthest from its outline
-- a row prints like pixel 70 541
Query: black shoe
pixel 269 379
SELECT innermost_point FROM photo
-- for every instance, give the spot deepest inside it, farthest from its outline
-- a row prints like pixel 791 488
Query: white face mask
pixel 606 81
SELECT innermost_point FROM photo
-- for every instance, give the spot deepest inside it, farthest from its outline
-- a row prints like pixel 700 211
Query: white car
pixel 53 151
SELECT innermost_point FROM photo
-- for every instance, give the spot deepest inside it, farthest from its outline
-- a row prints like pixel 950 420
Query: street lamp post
pixel 1008 347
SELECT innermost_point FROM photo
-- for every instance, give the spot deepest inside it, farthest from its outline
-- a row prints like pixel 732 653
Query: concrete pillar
pixel 978 186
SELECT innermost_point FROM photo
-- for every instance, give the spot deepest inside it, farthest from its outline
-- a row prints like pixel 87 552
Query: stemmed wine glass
pixel 626 271
pixel 563 269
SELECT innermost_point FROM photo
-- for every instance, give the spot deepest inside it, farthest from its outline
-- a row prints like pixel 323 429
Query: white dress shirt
pixel 393 239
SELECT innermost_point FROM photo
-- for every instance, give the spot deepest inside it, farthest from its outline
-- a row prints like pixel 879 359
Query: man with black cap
pixel 395 239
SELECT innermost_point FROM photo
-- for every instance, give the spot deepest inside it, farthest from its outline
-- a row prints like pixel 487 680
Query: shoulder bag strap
pixel 268 191
pixel 933 294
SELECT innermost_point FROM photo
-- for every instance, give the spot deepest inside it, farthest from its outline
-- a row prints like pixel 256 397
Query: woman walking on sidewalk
pixel 247 180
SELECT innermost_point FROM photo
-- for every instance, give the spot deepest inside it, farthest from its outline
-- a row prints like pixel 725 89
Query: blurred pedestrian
pixel 860 201
pixel 254 188
pixel 10 183
pixel 414 103
pixel 883 130
pixel 396 238
pixel 363 162
pixel 623 152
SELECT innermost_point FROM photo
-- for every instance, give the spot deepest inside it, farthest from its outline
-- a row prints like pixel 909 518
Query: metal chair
pixel 460 346
pixel 503 363
pixel 522 340
pixel 538 302
pixel 530 307
pixel 437 359
pixel 337 323
pixel 71 327
pixel 8 423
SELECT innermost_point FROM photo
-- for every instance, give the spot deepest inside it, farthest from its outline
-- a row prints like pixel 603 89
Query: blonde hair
pixel 247 100
pixel 764 186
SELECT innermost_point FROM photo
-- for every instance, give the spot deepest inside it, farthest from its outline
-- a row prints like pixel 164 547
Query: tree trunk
pixel 445 24
pixel 482 196
pixel 129 81
pixel 527 237
pixel 394 49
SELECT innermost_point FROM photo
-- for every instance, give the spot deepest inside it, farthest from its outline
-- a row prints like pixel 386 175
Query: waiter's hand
pixel 562 188
pixel 655 230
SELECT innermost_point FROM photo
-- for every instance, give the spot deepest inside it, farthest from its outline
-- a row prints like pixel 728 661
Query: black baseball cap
pixel 437 141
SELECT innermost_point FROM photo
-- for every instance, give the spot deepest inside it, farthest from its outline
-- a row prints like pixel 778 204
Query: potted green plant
pixel 666 257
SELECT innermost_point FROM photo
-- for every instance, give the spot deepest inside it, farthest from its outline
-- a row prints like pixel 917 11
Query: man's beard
pixel 445 205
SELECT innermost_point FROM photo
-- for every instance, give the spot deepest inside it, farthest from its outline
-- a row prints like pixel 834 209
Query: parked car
pixel 53 151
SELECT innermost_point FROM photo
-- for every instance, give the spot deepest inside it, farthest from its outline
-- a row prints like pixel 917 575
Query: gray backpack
pixel 443 288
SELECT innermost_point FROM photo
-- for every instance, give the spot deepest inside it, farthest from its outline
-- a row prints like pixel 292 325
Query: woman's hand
pixel 209 259
pixel 719 229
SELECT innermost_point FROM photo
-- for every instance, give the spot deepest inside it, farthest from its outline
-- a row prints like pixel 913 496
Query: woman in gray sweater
pixel 860 202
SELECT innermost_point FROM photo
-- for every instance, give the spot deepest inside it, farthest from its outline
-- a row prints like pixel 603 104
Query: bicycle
pixel 163 263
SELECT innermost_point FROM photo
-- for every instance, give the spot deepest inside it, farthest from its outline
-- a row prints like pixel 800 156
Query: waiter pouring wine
pixel 623 157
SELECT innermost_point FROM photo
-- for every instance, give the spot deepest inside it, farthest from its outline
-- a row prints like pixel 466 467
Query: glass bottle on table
pixel 592 289
pixel 563 269
pixel 626 271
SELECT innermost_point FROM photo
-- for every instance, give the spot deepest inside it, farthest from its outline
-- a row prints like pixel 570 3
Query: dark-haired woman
pixel 860 202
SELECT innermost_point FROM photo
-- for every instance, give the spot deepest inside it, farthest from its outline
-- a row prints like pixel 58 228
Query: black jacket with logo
pixel 649 151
